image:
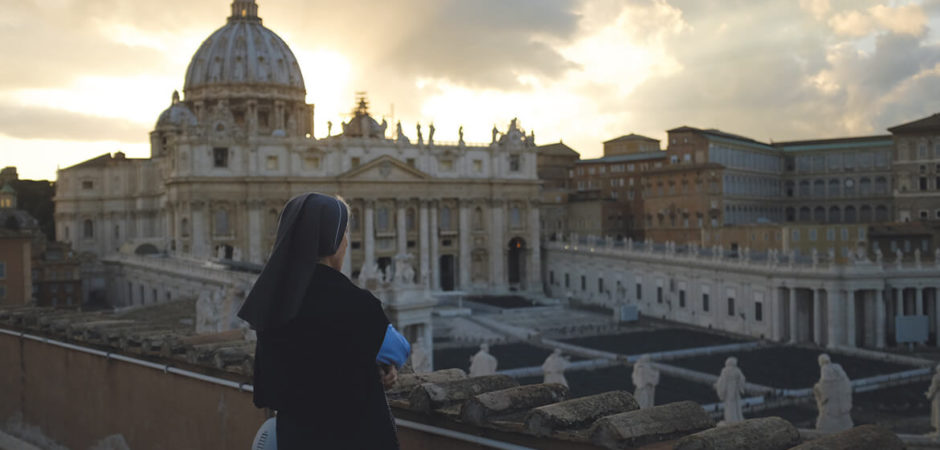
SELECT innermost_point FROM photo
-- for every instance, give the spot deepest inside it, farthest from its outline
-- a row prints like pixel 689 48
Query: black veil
pixel 310 227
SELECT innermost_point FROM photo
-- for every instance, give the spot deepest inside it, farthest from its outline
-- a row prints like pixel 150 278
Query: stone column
pixel 817 316
pixel 834 327
pixel 255 231
pixel 850 318
pixel 898 301
pixel 435 264
pixel 497 245
pixel 200 246
pixel 881 325
pixel 402 233
pixel 534 282
pixel 464 241
pixel 776 327
pixel 936 300
pixel 919 301
pixel 794 316
pixel 368 234
pixel 424 233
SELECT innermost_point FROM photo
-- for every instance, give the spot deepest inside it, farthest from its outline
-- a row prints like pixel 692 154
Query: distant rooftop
pixel 558 149
pixel 632 137
pixel 931 123
pixel 626 158
pixel 717 133
pixel 835 143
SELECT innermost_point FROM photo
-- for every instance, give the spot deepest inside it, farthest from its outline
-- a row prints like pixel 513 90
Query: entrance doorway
pixel 448 272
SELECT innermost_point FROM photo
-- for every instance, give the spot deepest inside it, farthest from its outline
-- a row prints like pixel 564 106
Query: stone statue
pixel 404 272
pixel 220 252
pixel 400 135
pixel 329 128
pixel 207 313
pixel 730 387
pixel 933 394
pixel 878 255
pixel 420 136
pixel 645 378
pixel 237 254
pixel 814 255
pixel 898 257
pixel 917 257
pixel 382 127
pixel 483 363
pixel 460 135
pixel 420 360
pixel 833 395
pixel 431 134
pixel 495 133
pixel 831 255
pixel 554 368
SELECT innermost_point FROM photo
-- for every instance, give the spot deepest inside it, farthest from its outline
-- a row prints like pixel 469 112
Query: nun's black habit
pixel 318 336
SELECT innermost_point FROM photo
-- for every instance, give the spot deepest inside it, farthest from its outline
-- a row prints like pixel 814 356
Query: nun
pixel 325 350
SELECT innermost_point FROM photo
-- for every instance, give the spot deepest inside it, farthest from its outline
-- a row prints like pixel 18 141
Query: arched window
pixel 849 187
pixel 834 190
pixel 819 188
pixel 881 185
pixel 789 186
pixel 835 214
pixel 864 214
pixel 804 188
pixel 881 213
pixel 804 214
pixel 850 216
pixel 88 229
pixel 791 214
pixel 819 214
pixel 864 186
pixel 478 218
pixel 221 225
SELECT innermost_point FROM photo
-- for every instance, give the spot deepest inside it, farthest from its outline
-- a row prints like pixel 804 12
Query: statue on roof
pixel 400 135
pixel 460 135
pixel 495 133
pixel 420 136
pixel 431 134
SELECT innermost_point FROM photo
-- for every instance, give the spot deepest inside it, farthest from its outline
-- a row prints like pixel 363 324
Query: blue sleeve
pixel 395 348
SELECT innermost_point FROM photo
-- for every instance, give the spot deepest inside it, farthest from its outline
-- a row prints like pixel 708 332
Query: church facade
pixel 229 153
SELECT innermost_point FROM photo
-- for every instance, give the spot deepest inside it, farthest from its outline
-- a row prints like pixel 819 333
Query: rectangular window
pixel 796 236
pixel 87 185
pixel 831 234
pixel 271 162
pixel 354 162
pixel 446 165
pixel 567 280
pixel 639 291
pixel 477 166
pixel 730 306
pixel 600 285
pixel 583 283
pixel 861 233
pixel 312 162
pixel 704 302
pixel 812 235
pixel 682 299
pixel 758 311
pixel 3 270
pixel 659 294
pixel 410 162
pixel 220 156
pixel 514 163
pixel 923 183
pixel 551 277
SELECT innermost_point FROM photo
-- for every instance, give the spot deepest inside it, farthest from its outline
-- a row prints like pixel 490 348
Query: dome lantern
pixel 244 10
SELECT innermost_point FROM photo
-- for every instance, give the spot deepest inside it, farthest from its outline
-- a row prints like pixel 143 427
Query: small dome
pixel 244 52
pixel 177 115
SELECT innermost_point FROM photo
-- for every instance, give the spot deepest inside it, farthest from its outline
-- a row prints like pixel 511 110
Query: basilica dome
pixel 243 57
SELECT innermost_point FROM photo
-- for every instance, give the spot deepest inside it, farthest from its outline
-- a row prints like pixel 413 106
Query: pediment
pixel 385 168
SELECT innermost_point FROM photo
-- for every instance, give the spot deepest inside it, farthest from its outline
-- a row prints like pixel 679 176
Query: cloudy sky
pixel 79 78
